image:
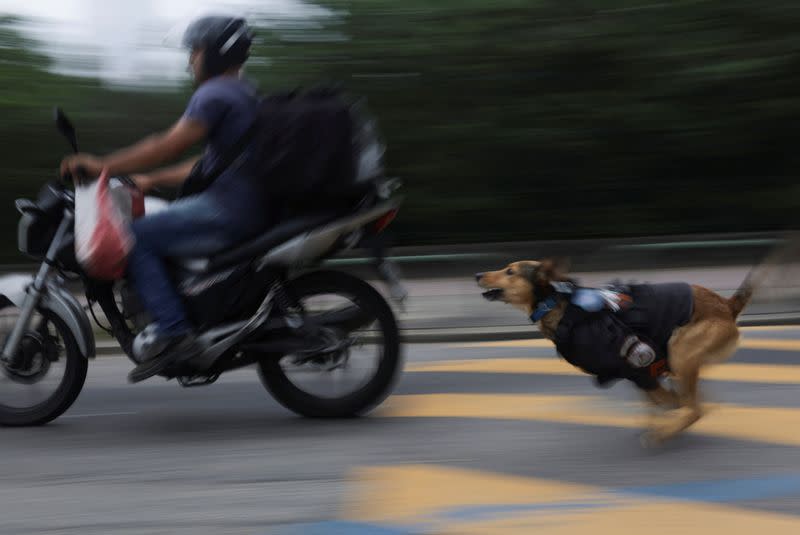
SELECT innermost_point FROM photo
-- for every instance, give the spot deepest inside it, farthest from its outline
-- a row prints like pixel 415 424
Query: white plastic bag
pixel 104 210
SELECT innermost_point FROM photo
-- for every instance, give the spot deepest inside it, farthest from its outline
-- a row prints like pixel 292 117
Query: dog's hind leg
pixel 704 342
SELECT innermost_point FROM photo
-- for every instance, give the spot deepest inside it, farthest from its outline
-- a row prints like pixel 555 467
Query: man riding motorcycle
pixel 229 211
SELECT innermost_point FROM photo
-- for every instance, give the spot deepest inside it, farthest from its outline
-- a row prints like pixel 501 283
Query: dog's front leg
pixel 663 398
pixel 677 420
pixel 659 401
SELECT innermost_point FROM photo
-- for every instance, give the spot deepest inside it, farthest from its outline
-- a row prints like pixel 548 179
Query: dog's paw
pixel 650 440
pixel 657 434
pixel 663 400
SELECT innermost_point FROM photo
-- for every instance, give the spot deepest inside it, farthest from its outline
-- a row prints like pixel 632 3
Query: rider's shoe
pixel 176 350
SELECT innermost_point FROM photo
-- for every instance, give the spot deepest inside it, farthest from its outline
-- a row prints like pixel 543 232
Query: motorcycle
pixel 266 303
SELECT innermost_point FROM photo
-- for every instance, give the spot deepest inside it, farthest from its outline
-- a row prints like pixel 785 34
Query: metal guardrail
pixel 481 251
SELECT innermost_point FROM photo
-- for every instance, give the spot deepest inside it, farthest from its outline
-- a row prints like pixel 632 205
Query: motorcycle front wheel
pixel 49 375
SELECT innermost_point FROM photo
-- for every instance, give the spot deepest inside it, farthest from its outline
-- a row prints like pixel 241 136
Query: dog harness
pixel 588 299
pixel 598 322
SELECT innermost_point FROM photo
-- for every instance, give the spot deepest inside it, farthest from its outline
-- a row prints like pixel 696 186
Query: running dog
pixel 701 331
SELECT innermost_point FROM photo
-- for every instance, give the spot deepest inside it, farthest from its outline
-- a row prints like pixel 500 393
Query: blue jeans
pixel 191 227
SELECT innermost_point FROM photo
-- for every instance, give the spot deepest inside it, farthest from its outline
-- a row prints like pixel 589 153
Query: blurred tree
pixel 515 119
pixel 508 119
pixel 31 148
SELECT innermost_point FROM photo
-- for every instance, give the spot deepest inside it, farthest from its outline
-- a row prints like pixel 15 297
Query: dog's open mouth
pixel 493 295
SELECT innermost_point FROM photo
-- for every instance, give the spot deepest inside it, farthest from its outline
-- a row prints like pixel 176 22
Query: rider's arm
pixel 168 177
pixel 156 149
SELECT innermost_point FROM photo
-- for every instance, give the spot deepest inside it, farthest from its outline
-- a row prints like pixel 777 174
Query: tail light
pixel 385 220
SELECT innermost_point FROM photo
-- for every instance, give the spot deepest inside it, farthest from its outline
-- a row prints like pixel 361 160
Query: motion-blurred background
pixel 508 119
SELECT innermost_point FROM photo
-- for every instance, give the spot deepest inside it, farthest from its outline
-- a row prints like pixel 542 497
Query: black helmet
pixel 226 41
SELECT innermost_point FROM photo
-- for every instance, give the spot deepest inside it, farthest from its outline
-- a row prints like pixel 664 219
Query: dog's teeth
pixel 493 294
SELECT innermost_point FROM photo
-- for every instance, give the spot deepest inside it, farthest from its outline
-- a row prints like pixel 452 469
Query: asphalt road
pixel 478 438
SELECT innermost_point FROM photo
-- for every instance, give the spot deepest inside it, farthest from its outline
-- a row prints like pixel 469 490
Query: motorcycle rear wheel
pixel 279 373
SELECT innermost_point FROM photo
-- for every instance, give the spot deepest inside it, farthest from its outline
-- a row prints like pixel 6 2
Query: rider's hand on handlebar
pixel 144 182
pixel 81 166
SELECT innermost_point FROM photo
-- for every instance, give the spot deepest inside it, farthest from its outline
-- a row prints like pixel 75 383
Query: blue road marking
pixel 336 527
pixel 722 491
pixel 708 491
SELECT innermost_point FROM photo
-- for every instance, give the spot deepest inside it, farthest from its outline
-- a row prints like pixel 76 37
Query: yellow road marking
pixel 745 342
pixel 656 518
pixel 754 373
pixel 412 492
pixel 770 328
pixel 770 344
pixel 429 495
pixel 732 371
pixel 553 365
pixel 775 425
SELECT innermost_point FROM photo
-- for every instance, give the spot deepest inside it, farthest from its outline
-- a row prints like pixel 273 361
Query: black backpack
pixel 304 146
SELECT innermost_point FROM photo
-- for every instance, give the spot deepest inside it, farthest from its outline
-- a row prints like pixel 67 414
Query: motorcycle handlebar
pixel 82 176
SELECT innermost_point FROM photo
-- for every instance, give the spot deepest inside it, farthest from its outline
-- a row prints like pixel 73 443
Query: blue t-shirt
pixel 227 106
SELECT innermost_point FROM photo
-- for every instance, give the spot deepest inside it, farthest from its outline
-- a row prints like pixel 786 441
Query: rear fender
pixel 312 245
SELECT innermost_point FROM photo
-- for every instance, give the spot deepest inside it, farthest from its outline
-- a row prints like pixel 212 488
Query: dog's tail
pixel 759 274
pixel 743 294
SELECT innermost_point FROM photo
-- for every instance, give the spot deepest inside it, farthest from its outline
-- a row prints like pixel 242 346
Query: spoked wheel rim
pixel 352 356
pixel 42 368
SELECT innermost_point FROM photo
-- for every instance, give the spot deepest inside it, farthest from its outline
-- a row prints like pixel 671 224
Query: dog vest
pixel 591 337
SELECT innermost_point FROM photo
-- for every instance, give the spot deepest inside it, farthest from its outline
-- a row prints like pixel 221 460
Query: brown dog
pixel 711 335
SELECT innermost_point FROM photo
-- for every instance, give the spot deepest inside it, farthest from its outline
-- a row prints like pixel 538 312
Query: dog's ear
pixel 554 269
pixel 529 270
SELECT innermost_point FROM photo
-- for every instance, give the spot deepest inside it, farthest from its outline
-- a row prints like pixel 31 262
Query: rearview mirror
pixel 64 126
